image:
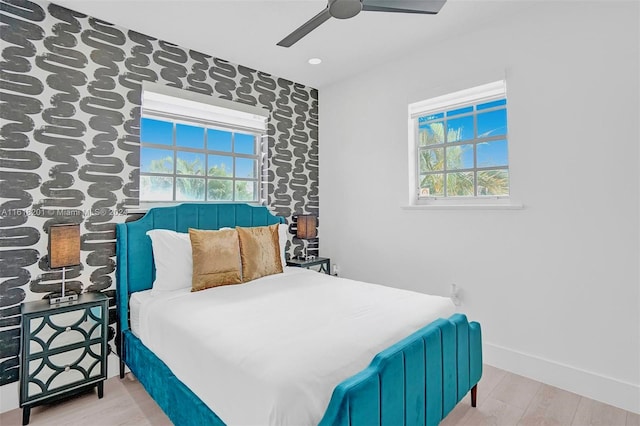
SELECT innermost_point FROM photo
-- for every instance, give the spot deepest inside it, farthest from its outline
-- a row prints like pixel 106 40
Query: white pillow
pixel 282 239
pixel 173 259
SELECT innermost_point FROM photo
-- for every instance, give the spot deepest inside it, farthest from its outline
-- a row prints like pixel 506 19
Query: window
pixel 460 145
pixel 190 153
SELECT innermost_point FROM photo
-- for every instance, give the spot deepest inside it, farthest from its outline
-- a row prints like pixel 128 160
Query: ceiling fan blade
pixel 305 28
pixel 430 7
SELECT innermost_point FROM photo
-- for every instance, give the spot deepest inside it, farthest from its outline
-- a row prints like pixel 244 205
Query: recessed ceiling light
pixel 315 61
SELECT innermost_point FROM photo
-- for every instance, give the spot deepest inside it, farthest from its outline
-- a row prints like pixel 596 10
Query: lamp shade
pixel 306 226
pixel 64 245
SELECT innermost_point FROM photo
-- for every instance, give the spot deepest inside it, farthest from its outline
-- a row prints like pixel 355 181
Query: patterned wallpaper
pixel 70 88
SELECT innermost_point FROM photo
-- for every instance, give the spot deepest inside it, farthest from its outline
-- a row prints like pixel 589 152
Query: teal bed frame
pixel 417 381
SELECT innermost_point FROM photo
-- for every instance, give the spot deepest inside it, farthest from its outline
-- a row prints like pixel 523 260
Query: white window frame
pixel 183 107
pixel 459 99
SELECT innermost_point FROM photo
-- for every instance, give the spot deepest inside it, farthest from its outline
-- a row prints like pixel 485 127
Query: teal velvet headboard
pixel 135 270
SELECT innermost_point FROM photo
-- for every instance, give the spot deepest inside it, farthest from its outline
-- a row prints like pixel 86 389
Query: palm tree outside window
pixel 182 161
pixel 461 145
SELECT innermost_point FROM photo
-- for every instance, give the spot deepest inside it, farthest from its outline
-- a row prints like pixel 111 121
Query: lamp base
pixel 306 257
pixel 63 299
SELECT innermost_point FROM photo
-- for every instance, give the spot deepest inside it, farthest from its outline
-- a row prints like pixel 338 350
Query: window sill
pixel 138 210
pixel 460 206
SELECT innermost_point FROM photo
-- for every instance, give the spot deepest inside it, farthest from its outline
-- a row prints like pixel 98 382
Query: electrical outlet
pixel 455 295
pixel 335 269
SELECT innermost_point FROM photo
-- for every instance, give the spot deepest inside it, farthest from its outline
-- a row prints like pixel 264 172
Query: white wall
pixel 556 284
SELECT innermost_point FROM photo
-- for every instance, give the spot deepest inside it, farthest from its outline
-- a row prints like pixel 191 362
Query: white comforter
pixel 271 351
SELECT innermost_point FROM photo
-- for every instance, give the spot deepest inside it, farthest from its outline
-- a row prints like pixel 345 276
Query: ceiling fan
pixel 344 9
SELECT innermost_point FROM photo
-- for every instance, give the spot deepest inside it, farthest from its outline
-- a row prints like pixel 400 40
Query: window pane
pixel 432 185
pixel 245 168
pixel 492 123
pixel 245 191
pixel 431 117
pixel 491 104
pixel 493 182
pixel 189 136
pixel 460 129
pixel 492 154
pixel 430 134
pixel 462 146
pixel 190 163
pixel 156 131
pixel 156 160
pixel 156 188
pixel 431 160
pixel 460 111
pixel 220 190
pixel 244 143
pixel 218 140
pixel 460 184
pixel 189 189
pixel 220 165
pixel 460 157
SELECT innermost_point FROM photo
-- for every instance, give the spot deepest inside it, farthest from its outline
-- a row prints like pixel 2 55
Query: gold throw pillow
pixel 215 258
pixel 259 251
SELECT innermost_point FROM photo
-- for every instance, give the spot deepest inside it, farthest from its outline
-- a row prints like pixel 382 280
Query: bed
pixel 417 379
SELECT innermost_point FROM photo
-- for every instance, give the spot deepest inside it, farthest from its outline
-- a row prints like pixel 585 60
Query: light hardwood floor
pixel 503 399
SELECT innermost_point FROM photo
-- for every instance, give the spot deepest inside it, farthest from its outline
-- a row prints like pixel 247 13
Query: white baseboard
pixel 9 393
pixel 605 389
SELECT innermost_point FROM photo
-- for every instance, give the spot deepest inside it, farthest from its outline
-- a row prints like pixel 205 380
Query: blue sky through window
pixel 493 154
pixel 461 128
pixel 461 143
pixel 491 104
pixel 189 136
pixel 196 150
pixel 156 131
pixel 192 163
pixel 245 143
pixel 492 123
pixel 221 162
pixel 191 151
pixel 219 140
pixel 245 168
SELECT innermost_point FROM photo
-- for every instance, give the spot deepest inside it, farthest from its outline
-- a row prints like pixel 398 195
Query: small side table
pixel 323 262
pixel 63 349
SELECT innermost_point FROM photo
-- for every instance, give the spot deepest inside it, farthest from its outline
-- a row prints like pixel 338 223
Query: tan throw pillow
pixel 259 251
pixel 215 258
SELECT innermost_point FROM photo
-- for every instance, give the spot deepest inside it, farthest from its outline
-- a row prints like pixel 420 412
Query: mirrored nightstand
pixel 323 262
pixel 63 349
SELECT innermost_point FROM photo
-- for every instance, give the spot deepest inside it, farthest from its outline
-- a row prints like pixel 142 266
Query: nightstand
pixel 323 262
pixel 63 349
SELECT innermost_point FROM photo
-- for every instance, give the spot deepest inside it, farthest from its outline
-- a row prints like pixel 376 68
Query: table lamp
pixel 64 251
pixel 306 231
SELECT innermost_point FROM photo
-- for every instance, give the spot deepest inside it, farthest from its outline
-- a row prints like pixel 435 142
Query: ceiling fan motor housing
pixel 344 9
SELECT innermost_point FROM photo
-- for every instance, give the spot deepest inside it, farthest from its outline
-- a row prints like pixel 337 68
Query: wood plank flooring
pixel 508 399
pixel 503 399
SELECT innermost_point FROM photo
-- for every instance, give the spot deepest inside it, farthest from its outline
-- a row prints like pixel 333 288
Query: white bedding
pixel 271 351
pixel 136 301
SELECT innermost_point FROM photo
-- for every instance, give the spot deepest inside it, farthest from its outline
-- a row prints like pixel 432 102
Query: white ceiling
pixel 246 31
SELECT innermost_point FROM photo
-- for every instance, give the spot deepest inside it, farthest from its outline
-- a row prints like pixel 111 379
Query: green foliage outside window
pixel 194 188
